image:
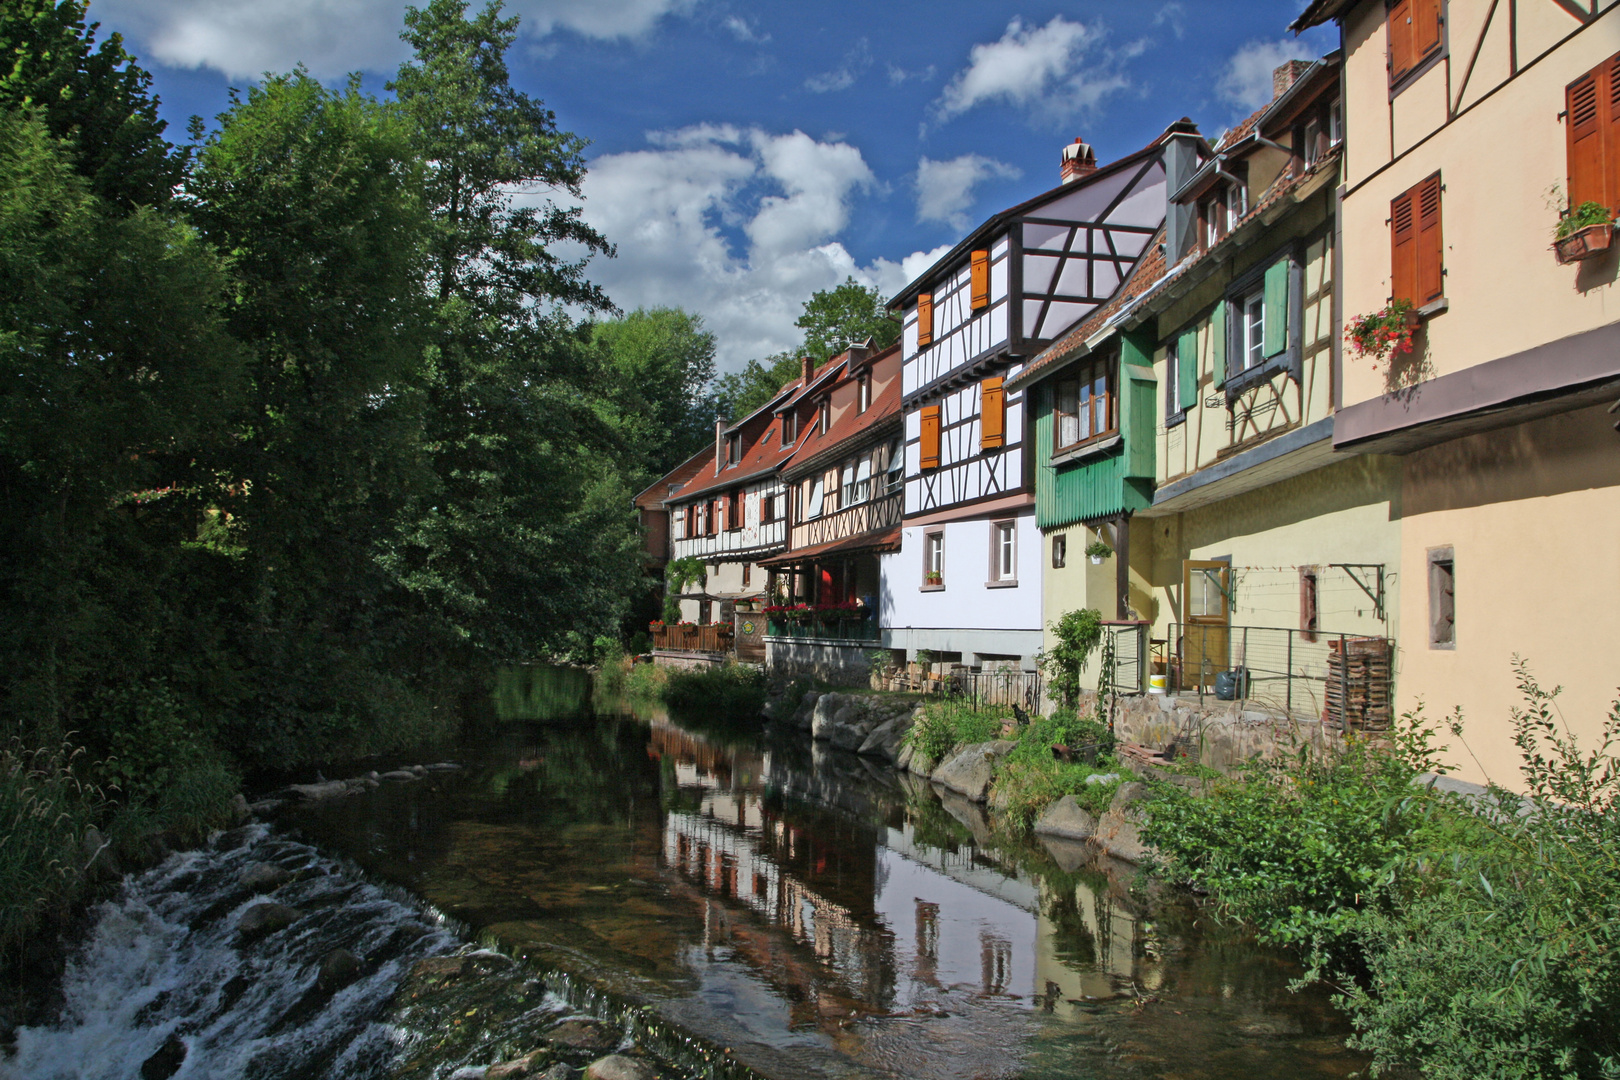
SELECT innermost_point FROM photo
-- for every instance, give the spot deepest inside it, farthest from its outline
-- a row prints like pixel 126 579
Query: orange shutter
pixel 981 279
pixel 930 437
pixel 925 319
pixel 1430 251
pixel 1585 138
pixel 1403 237
pixel 992 414
pixel 1425 29
pixel 1400 39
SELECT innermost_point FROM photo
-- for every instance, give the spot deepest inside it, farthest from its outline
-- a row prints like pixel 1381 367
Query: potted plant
pixel 1583 232
pixel 1097 551
pixel 933 577
pixel 1387 332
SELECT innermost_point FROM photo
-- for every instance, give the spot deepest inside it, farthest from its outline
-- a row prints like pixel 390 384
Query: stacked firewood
pixel 1358 684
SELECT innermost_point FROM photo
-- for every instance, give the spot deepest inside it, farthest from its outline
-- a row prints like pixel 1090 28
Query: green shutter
pixel 1217 345
pixel 1276 329
pixel 1187 368
pixel 1138 407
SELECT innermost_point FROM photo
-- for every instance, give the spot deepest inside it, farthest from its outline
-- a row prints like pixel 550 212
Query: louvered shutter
pixel 992 414
pixel 925 319
pixel 1217 344
pixel 1430 249
pixel 1275 331
pixel 929 448
pixel 1400 39
pixel 1187 368
pixel 981 279
pixel 1585 137
pixel 1611 147
pixel 1403 245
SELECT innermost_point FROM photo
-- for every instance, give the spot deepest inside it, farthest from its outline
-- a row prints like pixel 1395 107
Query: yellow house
pixel 1473 125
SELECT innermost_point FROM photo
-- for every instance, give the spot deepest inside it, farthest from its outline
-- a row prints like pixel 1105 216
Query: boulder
pixel 584 1035
pixel 1117 831
pixel 166 1061
pixel 845 720
pixel 804 715
pixel 903 759
pixel 338 969
pixel 971 769
pixel 264 877
pixel 399 774
pixel 619 1067
pixel 266 918
pixel 530 1064
pixel 239 809
pixel 330 789
pixel 884 739
pixel 1066 819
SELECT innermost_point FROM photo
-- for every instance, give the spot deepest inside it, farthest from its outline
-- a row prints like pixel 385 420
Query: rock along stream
pixel 723 902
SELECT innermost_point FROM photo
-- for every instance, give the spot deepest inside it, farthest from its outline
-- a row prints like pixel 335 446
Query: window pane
pixel 1083 425
pixel 1099 396
pixel 1254 331
pixel 814 509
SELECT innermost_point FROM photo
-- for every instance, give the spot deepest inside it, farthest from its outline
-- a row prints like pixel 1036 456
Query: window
pixel 925 319
pixel 705 608
pixel 1060 550
pixel 933 559
pixel 992 414
pixel 748 576
pixel 1442 599
pixel 897 465
pixel 734 510
pixel 1414 35
pixel 733 448
pixel 981 280
pixel 767 509
pixel 1003 552
pixel 1592 135
pixel 712 509
pixel 847 486
pixel 1309 607
pixel 1335 123
pixel 1313 141
pixel 863 478
pixel 823 415
pixel 1416 270
pixel 929 447
pixel 863 399
pixel 813 505
pixel 1252 327
pixel 1237 203
pixel 790 427
pixel 1084 404
pixel 1212 211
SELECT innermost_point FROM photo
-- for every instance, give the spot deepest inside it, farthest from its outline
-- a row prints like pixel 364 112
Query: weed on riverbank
pixel 726 691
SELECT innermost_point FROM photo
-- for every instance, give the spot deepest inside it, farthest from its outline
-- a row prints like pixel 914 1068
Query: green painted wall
pixel 1117 482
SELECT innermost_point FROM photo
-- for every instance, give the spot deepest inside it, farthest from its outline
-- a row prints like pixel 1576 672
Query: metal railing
pixel 996 687
pixel 1345 679
pixel 1129 655
pixel 712 637
pixel 825 627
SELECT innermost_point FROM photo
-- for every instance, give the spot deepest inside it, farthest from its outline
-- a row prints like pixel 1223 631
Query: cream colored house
pixel 1471 123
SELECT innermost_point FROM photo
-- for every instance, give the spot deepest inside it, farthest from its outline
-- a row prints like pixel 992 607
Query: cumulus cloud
pixel 1246 79
pixel 243 38
pixel 945 188
pixel 856 61
pixel 1043 69
pixel 739 225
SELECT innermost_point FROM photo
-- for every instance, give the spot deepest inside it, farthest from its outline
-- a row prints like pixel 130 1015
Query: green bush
pixel 645 682
pixel 945 725
pixel 1078 634
pixel 1026 786
pixel 727 691
pixel 44 811
pixel 614 672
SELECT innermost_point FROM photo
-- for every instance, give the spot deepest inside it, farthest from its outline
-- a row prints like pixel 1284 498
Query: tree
pixel 655 369
pixel 95 98
pixel 740 393
pixel 837 318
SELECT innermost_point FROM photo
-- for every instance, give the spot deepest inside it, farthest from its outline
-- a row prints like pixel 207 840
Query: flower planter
pixel 1584 243
pixel 1096 560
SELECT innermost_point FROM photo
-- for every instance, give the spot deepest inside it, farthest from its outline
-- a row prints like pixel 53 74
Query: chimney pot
pixel 1079 159
pixel 1286 76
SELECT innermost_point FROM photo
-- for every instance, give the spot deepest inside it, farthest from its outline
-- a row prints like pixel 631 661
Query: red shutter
pixel 1425 29
pixel 925 319
pixel 1400 39
pixel 1403 237
pixel 1430 250
pixel 981 279
pixel 992 414
pixel 1611 148
pixel 1585 137
pixel 930 437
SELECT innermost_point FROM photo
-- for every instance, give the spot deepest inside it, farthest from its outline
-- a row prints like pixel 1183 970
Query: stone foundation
pixel 831 662
pixel 687 661
pixel 1224 733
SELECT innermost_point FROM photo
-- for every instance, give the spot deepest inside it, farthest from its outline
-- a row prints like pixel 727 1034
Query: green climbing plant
pixel 1078 633
pixel 680 573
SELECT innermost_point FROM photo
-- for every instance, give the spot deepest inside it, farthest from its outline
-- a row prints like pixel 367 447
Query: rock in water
pixel 267 918
pixel 264 877
pixel 618 1067
pixel 527 1065
pixel 584 1035
pixel 166 1062
pixel 338 969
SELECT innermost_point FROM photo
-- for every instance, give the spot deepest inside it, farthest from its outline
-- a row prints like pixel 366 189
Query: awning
pixel 883 541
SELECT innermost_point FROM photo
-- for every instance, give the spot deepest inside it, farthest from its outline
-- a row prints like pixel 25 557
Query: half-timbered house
pixel 845 503
pixel 966 584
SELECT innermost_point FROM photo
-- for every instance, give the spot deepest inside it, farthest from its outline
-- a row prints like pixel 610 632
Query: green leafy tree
pixel 740 393
pixel 655 368
pixel 836 318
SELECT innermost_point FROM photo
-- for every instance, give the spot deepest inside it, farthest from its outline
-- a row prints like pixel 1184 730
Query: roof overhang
pixel 1318 12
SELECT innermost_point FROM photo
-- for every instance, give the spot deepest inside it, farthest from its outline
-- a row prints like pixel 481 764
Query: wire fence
pixel 1345 679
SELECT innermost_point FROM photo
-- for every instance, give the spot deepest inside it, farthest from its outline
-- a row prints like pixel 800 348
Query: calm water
pixel 814 913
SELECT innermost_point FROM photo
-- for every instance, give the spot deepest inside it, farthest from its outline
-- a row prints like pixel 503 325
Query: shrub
pixel 1078 634
pixel 44 811
pixel 1026 786
pixel 645 682
pixel 945 725
pixel 727 691
pixel 615 670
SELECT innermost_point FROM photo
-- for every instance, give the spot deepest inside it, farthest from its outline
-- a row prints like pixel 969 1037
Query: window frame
pixel 1060 550
pixel 736 510
pixel 734 451
pixel 1003 554
pixel 1073 374
pixel 933 560
pixel 1442 585
pixel 1251 282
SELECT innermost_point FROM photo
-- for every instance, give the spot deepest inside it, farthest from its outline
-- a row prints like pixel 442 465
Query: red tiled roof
pixel 888 540
pixel 655 493
pixel 884 406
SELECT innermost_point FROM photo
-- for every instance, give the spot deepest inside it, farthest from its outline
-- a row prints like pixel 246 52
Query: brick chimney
pixel 1287 75
pixel 1079 159
pixel 809 367
pixel 859 351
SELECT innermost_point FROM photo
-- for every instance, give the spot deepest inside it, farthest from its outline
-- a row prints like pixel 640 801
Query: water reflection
pixel 819 915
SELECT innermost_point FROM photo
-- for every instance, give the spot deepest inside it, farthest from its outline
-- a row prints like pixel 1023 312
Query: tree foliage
pixel 848 314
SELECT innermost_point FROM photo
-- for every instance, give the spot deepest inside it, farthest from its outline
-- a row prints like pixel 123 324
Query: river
pixel 807 911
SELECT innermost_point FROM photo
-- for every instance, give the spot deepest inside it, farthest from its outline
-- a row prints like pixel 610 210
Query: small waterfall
pixel 165 960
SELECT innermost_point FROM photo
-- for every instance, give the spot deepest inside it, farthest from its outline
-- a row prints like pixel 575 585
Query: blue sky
pixel 744 155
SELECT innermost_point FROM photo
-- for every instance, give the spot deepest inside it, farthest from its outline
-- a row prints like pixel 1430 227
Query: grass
pixel 945 725
pixel 44 812
pixel 727 691
pixel 645 682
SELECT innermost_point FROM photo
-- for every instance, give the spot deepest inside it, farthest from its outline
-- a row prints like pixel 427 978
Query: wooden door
pixel 1206 591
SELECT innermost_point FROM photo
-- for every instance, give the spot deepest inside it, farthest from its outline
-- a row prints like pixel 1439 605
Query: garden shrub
pixel 946 724
pixel 1078 634
pixel 726 691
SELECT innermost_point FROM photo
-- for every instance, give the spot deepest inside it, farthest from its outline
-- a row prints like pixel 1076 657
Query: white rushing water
pixel 164 960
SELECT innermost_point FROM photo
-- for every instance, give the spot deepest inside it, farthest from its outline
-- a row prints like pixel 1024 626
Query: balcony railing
pixel 713 638
pixel 1343 679
pixel 825 627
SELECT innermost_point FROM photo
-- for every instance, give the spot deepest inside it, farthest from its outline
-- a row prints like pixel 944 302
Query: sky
pixel 744 155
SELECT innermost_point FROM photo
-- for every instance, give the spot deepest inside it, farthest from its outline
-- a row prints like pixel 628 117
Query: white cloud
pixel 1043 69
pixel 1173 15
pixel 1246 79
pixel 676 208
pixel 856 61
pixel 244 38
pixel 945 188
pixel 898 75
pixel 743 30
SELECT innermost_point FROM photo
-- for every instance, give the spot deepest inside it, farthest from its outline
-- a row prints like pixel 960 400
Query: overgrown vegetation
pixel 1468 936
pixel 1078 634
pixel 1032 777
pixel 946 724
pixel 733 692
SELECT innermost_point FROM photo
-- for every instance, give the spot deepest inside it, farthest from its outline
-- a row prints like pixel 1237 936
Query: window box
pixel 1584 243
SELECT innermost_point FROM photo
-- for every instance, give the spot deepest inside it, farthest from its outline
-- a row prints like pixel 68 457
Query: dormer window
pixel 863 398
pixel 1237 203
pixel 823 415
pixel 734 448
pixel 790 428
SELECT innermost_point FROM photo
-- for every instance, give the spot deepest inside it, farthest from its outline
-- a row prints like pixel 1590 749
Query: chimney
pixel 1079 159
pixel 719 445
pixel 809 367
pixel 1180 162
pixel 1286 76
pixel 858 352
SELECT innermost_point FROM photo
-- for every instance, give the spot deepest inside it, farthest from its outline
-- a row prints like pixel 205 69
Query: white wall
pixel 965 602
